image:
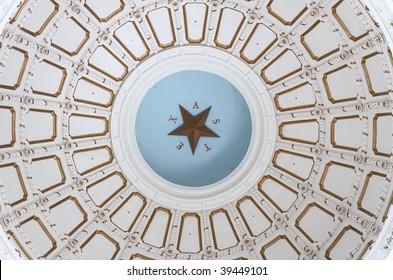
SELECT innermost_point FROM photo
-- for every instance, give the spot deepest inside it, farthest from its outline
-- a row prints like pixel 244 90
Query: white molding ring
pixel 193 58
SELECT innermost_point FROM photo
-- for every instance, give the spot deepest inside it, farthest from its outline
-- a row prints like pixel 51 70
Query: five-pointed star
pixel 194 127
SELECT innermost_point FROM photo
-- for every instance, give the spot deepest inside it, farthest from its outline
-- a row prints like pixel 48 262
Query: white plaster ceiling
pixel 325 194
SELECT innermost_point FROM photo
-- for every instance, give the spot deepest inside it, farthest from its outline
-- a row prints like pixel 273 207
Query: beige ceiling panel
pixel 294 164
pixel 105 189
pixel 130 38
pixel 382 134
pixel 7 127
pixel 39 235
pixel 278 194
pixel 349 20
pixel 43 13
pixel 70 37
pixel 195 21
pixel 161 24
pixel 129 211
pixel 371 192
pixel 106 62
pixel 338 180
pixel 104 10
pixel 40 126
pixel 287 12
pixel 48 79
pixel 375 74
pixel 86 126
pixel 47 173
pixel 344 244
pixel 100 246
pixel 301 131
pixel 280 248
pixel 315 222
pixel 68 215
pixel 346 132
pixel 255 219
pixel 14 185
pixel 224 233
pixel 157 229
pixel 320 47
pixel 190 234
pixel 296 98
pixel 230 23
pixel 93 93
pixel 12 75
pixel 88 160
pixel 341 84
pixel 281 67
pixel 261 39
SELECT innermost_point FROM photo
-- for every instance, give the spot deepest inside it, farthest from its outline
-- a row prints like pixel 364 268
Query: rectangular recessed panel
pixel 126 215
pixel 48 79
pixel 43 13
pixel 161 24
pixel 346 132
pixel 230 23
pixel 106 62
pixel 341 84
pixel 302 131
pixel 156 231
pixel 287 12
pixel 224 234
pixel 100 246
pixel 15 66
pixel 47 173
pixel 14 186
pixel 382 134
pixel 338 180
pixel 102 191
pixel 299 97
pixel 349 20
pixel 93 93
pixel 280 195
pixel 70 37
pixel 68 215
pixel 85 126
pixel 375 74
pixel 253 216
pixel 37 232
pixel 315 222
pixel 190 236
pixel 371 192
pixel 40 126
pixel 195 20
pixel 130 37
pixel 281 67
pixel 7 127
pixel 89 160
pixel 344 244
pixel 280 248
pixel 103 10
pixel 294 164
pixel 320 47
pixel 258 43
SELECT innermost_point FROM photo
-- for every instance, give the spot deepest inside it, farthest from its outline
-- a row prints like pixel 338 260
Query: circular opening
pixel 193 128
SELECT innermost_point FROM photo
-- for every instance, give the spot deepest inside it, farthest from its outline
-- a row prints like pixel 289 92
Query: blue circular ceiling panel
pixel 193 128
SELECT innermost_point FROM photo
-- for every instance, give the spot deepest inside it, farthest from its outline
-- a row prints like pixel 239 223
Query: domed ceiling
pixel 294 109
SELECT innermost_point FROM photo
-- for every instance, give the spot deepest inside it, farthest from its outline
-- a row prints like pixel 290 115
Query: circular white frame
pixel 217 62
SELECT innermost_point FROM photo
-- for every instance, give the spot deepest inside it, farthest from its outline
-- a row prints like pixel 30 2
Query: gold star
pixel 194 127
